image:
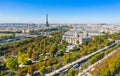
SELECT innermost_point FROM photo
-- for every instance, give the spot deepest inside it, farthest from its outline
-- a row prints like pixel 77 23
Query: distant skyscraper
pixel 47 24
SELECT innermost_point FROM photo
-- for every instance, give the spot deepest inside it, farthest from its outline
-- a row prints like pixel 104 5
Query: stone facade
pixel 76 36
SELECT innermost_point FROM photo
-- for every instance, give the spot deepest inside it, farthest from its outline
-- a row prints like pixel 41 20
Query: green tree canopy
pixel 71 72
pixel 42 70
pixel 22 58
pixel 12 63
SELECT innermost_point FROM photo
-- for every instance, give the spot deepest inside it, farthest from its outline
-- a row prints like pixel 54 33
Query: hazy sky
pixel 60 11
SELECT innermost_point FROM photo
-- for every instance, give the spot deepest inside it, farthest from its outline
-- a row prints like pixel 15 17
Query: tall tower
pixel 47 24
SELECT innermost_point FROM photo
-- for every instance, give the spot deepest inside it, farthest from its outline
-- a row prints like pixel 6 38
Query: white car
pixel 75 66
pixel 80 67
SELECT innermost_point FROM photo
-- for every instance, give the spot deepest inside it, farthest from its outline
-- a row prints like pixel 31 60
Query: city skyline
pixel 61 11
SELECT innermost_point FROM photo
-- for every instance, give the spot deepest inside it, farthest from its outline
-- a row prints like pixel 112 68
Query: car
pixel 75 66
pixel 80 67
pixel 65 71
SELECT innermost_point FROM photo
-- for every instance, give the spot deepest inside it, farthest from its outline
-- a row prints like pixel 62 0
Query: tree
pixel 117 75
pixel 96 57
pixel 84 65
pixel 29 52
pixel 67 59
pixel 61 53
pixel 35 56
pixel 71 72
pixel 22 72
pixel 53 49
pixel 105 72
pixel 22 58
pixel 40 58
pixel 109 66
pixel 30 70
pixel 42 70
pixel 12 63
pixel 85 42
pixel 78 42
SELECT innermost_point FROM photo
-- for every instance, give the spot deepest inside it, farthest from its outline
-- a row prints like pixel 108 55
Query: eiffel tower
pixel 47 24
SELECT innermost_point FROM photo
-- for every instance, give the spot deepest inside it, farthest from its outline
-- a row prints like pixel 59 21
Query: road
pixel 11 41
pixel 93 66
pixel 68 66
